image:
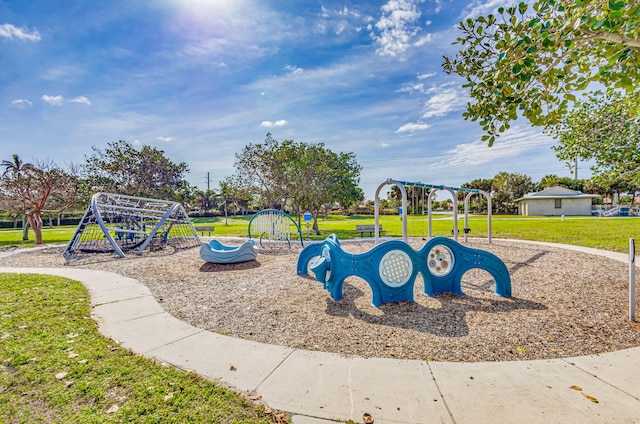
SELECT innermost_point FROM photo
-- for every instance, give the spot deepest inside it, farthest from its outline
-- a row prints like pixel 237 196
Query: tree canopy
pixel 304 175
pixel 123 169
pixel 35 188
pixel 605 128
pixel 532 61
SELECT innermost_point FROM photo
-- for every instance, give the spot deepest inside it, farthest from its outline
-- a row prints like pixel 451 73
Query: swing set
pixel 433 189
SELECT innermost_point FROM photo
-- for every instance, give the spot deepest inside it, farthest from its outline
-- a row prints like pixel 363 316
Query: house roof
pixel 557 192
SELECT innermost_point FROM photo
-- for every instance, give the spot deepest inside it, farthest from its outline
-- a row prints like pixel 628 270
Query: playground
pixel 563 304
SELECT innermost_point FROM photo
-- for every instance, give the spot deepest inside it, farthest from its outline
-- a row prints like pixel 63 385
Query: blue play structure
pixel 218 253
pixel 273 228
pixel 391 267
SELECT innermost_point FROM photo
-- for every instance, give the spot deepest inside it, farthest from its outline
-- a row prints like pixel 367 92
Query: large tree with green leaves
pixel 531 61
pixel 266 170
pixel 552 180
pixel 144 172
pixel 604 128
pixel 305 176
pixel 507 187
pixel 323 177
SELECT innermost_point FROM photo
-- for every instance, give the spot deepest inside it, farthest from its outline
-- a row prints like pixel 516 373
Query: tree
pixel 264 169
pixel 507 187
pixel 14 167
pixel 123 169
pixel 351 199
pixel 306 176
pixel 531 62
pixel 484 184
pixel 605 128
pixel 38 187
pixel 324 177
pixel 226 193
pixel 553 180
pixel 206 200
pixel 416 197
pixel 609 188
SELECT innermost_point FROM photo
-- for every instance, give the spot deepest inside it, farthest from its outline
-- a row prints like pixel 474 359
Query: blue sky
pixel 200 79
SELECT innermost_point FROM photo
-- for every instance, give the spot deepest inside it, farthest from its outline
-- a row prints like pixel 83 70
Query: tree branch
pixel 608 36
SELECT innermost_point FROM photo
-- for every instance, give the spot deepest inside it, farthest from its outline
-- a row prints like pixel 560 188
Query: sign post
pixel 307 221
pixel 632 279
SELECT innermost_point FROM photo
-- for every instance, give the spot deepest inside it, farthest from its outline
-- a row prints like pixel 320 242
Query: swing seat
pixel 218 253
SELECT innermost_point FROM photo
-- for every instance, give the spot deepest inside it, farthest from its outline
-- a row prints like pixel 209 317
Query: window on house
pixel 558 203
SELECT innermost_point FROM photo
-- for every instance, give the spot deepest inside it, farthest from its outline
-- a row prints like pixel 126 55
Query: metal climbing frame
pixel 116 223
pixel 272 227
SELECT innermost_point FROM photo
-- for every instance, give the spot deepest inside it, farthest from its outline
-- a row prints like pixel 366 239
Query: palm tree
pixel 15 166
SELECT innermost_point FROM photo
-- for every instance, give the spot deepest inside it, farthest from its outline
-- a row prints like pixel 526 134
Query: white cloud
pixel 165 139
pixel 53 100
pixel 397 26
pixel 294 69
pixel 12 31
pixel 427 75
pixel 412 127
pixel 410 88
pixel 423 40
pixel 444 101
pixel 270 124
pixel 438 8
pixel 384 145
pixel 514 143
pixel 477 8
pixel 340 21
pixel 21 103
pixel 81 99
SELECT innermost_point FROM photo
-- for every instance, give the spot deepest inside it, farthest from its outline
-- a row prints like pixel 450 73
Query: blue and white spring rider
pixel 391 268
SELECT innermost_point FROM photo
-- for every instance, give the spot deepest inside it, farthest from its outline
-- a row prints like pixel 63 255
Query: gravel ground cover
pixel 564 304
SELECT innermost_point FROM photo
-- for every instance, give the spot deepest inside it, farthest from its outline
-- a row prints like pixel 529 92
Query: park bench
pixel 204 228
pixel 368 229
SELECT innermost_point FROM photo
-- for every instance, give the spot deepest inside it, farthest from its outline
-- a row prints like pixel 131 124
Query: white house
pixel 556 201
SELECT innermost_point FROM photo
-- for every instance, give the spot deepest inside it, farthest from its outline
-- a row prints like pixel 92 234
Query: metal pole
pixel 467 199
pixel 632 279
pixel 430 209
pixel 376 209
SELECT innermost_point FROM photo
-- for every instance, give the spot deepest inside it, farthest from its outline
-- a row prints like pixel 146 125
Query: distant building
pixel 556 201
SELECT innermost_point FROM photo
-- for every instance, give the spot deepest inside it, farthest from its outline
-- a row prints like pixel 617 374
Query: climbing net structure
pixel 115 223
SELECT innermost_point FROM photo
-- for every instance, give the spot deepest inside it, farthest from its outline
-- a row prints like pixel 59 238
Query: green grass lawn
pixel 603 233
pixel 56 367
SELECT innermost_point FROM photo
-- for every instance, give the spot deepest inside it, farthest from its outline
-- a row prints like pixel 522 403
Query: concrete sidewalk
pixel 319 386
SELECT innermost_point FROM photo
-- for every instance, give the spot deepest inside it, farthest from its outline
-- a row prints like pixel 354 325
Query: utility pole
pixel 208 182
pixel 575 168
